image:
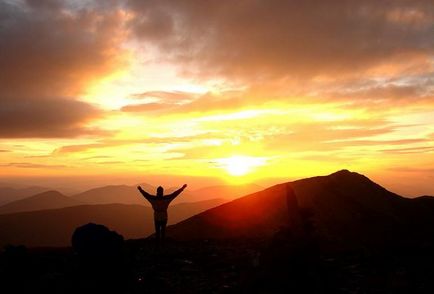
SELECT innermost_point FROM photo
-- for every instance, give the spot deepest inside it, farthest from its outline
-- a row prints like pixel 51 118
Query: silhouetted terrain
pixel 33 198
pixel 113 194
pixel 41 201
pixel 54 227
pixel 217 266
pixel 129 195
pixel 340 233
pixel 225 191
pixel 348 210
pixel 9 194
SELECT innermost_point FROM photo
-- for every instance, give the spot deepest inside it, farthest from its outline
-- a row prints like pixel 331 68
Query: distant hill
pixel 347 208
pixel 111 194
pixel 129 195
pixel 41 201
pixel 54 227
pixel 9 194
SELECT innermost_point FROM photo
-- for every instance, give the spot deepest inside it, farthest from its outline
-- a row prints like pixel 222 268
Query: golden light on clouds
pixel 222 91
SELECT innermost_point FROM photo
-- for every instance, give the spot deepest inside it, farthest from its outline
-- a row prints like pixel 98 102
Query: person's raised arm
pixel 144 193
pixel 177 192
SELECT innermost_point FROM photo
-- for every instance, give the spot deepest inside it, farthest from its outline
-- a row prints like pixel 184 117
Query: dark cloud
pixel 45 117
pixel 49 51
pixel 279 50
pixel 258 40
pixel 44 4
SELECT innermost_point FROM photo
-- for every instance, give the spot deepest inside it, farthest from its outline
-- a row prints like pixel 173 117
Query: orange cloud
pixel 49 53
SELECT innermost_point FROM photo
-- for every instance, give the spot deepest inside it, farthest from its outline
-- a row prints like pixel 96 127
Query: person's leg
pixel 157 230
pixel 163 229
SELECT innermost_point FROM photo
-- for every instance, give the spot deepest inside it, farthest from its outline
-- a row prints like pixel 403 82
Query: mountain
pixel 347 208
pixel 9 194
pixel 45 200
pixel 129 195
pixel 54 227
pixel 110 194
pixel 344 206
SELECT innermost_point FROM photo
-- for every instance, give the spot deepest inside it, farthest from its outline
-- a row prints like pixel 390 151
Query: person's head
pixel 160 191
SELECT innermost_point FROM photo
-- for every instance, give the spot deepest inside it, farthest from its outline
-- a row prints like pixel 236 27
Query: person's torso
pixel 160 204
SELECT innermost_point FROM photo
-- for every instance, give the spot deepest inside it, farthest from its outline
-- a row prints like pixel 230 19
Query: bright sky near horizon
pixel 239 91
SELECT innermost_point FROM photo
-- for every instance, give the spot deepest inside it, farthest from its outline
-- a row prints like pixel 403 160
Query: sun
pixel 239 165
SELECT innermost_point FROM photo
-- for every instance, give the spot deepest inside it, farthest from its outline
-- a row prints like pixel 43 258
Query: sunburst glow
pixel 238 165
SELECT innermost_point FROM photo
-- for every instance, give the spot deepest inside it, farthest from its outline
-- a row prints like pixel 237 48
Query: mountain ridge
pixel 348 209
pixel 12 193
pixel 50 199
pixel 54 227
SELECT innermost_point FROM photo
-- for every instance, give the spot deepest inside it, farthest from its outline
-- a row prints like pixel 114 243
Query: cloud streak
pixel 33 165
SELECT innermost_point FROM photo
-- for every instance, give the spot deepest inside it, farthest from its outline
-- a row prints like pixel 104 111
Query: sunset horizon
pixel 206 146
pixel 238 93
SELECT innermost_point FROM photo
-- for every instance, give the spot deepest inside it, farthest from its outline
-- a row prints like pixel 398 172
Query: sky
pixel 236 91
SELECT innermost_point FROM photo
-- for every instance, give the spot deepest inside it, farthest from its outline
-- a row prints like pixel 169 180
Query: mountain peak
pixel 46 200
pixel 338 201
pixel 346 173
pixel 342 172
pixel 340 177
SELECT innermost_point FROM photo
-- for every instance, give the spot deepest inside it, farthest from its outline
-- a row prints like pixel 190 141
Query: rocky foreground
pixel 224 266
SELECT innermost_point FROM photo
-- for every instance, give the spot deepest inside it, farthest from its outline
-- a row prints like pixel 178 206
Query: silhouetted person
pixel 160 204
